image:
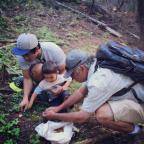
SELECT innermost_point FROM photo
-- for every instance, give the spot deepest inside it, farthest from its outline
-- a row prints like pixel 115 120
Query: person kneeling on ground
pixel 122 113
pixel 54 84
pixel 29 51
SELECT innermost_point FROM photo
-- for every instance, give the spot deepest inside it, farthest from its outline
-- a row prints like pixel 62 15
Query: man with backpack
pixel 114 99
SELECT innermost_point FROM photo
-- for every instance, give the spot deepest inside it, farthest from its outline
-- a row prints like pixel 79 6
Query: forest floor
pixel 69 31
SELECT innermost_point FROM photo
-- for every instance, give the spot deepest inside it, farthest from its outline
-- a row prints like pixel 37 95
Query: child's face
pixel 50 77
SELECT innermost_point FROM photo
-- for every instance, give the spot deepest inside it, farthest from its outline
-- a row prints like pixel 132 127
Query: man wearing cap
pixel 29 51
pixel 122 113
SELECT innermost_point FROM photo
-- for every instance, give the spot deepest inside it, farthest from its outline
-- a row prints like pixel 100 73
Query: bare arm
pixel 80 116
pixel 33 97
pixel 73 99
pixel 27 83
pixel 27 89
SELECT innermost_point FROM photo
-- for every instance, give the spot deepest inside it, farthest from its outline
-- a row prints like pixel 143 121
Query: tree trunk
pixel 141 22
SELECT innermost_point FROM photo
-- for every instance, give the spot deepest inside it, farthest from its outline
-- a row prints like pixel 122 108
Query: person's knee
pixel 104 114
pixel 101 117
pixel 36 71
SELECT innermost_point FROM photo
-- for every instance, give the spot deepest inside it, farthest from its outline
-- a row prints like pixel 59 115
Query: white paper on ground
pixel 47 130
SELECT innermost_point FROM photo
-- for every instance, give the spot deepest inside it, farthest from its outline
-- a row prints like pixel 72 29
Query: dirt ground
pixel 73 32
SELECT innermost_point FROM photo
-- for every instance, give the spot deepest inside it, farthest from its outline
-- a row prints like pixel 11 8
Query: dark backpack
pixel 122 59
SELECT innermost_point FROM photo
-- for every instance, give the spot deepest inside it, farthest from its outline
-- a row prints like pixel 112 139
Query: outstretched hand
pixel 48 114
pixel 30 105
pixel 24 104
pixel 55 109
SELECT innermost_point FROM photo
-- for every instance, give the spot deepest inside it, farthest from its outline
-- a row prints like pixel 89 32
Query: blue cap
pixel 17 51
pixel 25 43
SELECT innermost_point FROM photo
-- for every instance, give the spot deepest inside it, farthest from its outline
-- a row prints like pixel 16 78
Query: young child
pixel 54 84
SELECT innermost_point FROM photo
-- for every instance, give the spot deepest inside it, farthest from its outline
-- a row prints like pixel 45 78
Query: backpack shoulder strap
pixel 127 89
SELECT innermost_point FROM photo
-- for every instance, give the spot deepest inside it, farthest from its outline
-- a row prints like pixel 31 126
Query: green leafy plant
pixel 45 34
pixel 15 108
pixel 17 97
pixel 3 23
pixel 10 141
pixel 7 59
pixel 9 127
pixel 1 99
pixel 35 139
pixel 19 18
pixel 74 86
pixel 2 119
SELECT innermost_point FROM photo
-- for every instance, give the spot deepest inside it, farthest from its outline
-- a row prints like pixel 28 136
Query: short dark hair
pixel 32 51
pixel 49 67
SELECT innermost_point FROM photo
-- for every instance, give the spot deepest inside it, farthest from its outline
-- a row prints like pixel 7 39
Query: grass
pixel 76 34
pixel 74 86
pixel 19 18
pixel 6 58
pixel 90 48
pixel 3 23
pixel 45 34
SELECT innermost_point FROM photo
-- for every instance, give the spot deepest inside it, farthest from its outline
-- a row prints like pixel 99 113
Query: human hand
pixel 24 104
pixel 48 114
pixel 30 104
pixel 55 109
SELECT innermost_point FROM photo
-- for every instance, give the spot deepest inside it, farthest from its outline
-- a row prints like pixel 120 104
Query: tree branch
pixel 99 23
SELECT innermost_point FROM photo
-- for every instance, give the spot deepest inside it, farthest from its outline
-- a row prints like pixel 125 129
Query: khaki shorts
pixel 127 110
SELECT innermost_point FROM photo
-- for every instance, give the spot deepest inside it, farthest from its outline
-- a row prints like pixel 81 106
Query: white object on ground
pixel 48 131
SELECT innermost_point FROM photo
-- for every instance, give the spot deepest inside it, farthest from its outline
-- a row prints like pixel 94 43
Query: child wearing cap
pixel 54 84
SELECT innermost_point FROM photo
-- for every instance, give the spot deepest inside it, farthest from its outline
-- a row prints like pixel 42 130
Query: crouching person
pixel 53 84
pixel 122 113
pixel 29 51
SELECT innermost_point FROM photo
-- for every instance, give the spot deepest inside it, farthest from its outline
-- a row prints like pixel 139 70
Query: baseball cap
pixel 74 59
pixel 25 43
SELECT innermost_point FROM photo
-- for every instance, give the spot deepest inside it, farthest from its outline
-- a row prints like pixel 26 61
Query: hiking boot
pixel 17 84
